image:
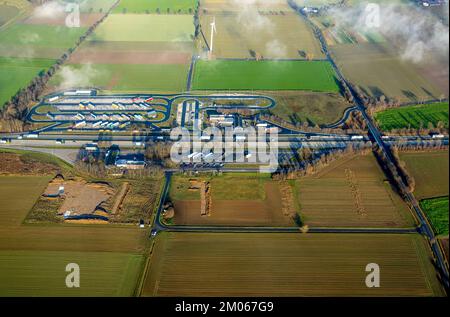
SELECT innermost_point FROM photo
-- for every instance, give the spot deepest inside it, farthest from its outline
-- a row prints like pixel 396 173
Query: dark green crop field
pixel 413 116
pixel 16 73
pixel 155 6
pixel 437 211
pixel 265 75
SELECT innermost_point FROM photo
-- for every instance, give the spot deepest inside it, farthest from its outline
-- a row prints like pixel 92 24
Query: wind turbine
pixel 213 31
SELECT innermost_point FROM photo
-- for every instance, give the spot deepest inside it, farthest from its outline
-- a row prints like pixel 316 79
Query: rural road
pixel 374 133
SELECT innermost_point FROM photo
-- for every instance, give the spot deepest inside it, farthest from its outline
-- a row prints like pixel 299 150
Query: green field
pixel 129 28
pixel 224 187
pixel 413 117
pixel 12 212
pixel 152 6
pixel 42 273
pixel 16 73
pixel 184 264
pixel 41 36
pixel 436 210
pixel 123 77
pixel 430 171
pixel 264 75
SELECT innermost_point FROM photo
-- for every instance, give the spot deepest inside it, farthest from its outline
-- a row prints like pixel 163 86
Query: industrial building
pixel 131 161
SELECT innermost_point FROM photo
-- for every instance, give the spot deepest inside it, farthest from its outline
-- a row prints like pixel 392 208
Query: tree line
pixel 309 162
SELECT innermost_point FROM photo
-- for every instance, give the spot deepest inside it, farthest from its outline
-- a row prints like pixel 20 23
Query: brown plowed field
pixel 236 212
pixel 328 199
pixel 229 264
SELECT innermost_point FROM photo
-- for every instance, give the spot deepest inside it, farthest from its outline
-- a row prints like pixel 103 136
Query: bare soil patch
pixel 11 163
pixel 80 197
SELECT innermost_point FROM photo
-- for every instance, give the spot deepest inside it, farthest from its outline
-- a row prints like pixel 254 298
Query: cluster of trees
pixel 403 173
pixel 355 122
pixel 431 129
pixel 98 170
pixel 395 171
pixel 422 145
pixel 256 55
pixel 310 162
pixel 159 153
pixel 242 112
pixel 92 164
pixel 196 21
pixel 382 102
pixel 160 10
pixel 12 115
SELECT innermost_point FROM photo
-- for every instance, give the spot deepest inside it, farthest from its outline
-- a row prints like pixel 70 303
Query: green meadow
pixel 437 211
pixel 413 116
pixel 16 73
pixel 123 77
pixel 41 35
pixel 145 28
pixel 153 6
pixel 265 75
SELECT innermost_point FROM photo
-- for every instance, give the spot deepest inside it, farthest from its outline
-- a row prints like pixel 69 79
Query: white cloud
pixel 72 77
pixel 414 32
pixel 49 10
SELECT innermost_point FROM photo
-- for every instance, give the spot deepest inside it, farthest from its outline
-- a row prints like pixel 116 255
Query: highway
pixel 374 133
pixel 287 138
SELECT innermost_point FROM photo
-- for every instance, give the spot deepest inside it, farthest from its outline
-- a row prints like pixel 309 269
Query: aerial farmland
pixel 201 149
